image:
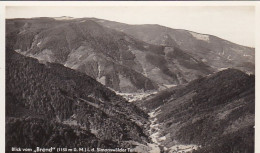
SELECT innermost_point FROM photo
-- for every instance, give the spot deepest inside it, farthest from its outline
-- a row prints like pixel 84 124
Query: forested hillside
pixel 215 112
pixel 49 104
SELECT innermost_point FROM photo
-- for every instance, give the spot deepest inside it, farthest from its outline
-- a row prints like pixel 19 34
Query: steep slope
pixel 112 57
pixel 211 50
pixel 49 105
pixel 214 113
pixel 84 46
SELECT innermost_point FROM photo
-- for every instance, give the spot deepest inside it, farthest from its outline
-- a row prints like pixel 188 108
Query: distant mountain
pixel 211 50
pixel 214 114
pixel 49 105
pixel 88 47
pixel 126 58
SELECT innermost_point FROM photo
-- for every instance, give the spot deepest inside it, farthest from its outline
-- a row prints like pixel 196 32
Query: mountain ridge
pixel 155 35
pixel 164 26
pixel 93 18
pixel 106 50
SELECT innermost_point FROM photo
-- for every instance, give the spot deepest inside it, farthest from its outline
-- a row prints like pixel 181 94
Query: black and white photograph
pixel 135 79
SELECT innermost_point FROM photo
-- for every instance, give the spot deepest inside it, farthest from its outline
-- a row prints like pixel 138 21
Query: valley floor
pixel 154 133
pixel 155 130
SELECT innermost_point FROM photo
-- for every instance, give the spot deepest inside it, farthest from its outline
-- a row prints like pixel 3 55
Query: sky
pixel 233 23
